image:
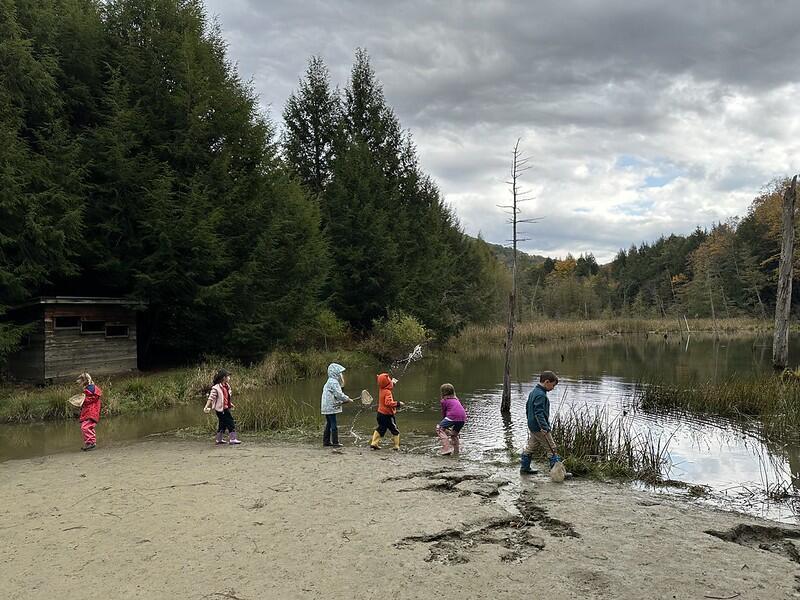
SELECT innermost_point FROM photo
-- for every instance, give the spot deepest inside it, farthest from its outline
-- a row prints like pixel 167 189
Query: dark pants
pixel 225 421
pixel 387 422
pixel 456 426
pixel 330 430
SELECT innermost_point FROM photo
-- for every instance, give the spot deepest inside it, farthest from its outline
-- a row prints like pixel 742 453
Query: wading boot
pixel 525 465
pixel 335 438
pixel 396 440
pixel 375 444
pixel 326 437
pixel 232 439
pixel 218 439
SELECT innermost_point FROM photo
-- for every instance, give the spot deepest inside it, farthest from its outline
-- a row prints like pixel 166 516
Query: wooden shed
pixel 70 334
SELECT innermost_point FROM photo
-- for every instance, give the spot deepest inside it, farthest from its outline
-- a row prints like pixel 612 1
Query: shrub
pixel 396 334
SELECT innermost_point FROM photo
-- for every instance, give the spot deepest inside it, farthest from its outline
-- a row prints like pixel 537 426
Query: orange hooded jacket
pixel 386 401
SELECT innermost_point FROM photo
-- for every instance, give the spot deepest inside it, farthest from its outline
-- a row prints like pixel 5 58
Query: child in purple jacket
pixel 453 418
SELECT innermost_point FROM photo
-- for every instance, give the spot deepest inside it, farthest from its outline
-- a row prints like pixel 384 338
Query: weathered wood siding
pixel 67 352
pixel 27 363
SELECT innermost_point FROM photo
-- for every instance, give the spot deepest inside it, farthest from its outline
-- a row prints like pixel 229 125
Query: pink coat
pixel 90 410
pixel 216 398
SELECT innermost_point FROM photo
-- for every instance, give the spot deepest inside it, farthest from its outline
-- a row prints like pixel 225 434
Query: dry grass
pixel 157 391
pixel 531 332
pixel 270 412
pixel 773 400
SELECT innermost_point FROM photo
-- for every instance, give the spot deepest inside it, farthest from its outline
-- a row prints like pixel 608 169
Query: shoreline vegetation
pixel 530 332
pixel 773 400
pixel 160 390
pixel 592 443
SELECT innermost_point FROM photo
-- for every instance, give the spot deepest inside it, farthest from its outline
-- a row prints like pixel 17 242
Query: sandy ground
pixel 182 519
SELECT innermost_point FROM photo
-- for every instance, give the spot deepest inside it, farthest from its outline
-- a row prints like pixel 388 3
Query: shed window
pixel 67 322
pixel 116 331
pixel 93 326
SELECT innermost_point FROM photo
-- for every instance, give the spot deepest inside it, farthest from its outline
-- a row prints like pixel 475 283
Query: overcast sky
pixel 639 118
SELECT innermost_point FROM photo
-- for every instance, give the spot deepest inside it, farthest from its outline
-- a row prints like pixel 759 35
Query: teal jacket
pixel 537 409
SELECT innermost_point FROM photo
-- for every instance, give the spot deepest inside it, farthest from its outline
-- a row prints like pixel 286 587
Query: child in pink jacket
pixel 453 418
pixel 220 401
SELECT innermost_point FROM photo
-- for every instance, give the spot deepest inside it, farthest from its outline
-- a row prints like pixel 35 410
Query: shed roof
pixel 84 300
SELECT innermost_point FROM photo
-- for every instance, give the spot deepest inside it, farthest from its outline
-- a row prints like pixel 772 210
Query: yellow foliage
pixel 563 269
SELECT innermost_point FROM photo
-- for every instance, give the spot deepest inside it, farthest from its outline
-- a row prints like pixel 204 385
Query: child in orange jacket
pixel 387 409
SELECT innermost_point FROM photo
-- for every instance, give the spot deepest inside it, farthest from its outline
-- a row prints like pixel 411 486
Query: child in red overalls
pixel 90 410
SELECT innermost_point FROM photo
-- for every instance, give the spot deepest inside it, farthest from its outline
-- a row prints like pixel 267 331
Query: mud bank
pixel 180 519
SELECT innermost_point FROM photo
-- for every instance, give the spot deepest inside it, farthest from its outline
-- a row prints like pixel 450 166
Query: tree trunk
pixel 760 304
pixel 711 299
pixel 516 168
pixel 783 306
pixel 725 301
pixel 533 298
pixel 505 404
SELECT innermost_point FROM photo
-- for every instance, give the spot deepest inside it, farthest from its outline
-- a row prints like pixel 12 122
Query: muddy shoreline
pixel 180 519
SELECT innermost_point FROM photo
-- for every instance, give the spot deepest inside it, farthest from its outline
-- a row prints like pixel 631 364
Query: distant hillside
pixel 506 256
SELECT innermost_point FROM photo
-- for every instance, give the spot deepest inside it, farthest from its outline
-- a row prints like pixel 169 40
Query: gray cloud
pixel 640 118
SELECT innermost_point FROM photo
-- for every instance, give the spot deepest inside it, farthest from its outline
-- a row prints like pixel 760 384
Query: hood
pixel 385 381
pixel 335 371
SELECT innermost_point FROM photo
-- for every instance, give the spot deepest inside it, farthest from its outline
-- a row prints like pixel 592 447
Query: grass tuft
pixel 593 443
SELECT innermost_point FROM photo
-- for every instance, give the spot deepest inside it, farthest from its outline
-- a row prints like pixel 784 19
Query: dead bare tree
pixel 519 164
pixel 783 306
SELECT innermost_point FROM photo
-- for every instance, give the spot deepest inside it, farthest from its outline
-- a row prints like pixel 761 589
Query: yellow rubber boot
pixel 375 443
pixel 396 440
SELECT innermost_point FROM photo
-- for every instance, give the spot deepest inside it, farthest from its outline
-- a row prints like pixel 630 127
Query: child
pixel 220 400
pixel 332 399
pixel 453 418
pixel 537 409
pixel 387 409
pixel 90 410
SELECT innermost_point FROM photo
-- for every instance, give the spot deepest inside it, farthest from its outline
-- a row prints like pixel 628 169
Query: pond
pixel 730 457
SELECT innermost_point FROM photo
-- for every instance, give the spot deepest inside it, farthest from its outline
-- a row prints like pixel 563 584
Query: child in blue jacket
pixel 537 410
pixel 331 404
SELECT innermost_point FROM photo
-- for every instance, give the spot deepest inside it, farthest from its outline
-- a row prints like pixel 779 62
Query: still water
pixel 729 457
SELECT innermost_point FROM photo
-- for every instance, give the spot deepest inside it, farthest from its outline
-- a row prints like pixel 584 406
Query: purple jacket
pixel 452 409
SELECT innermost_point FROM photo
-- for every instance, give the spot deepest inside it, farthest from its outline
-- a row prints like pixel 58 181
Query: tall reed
pixel 145 392
pixel 771 399
pixel 271 412
pixel 593 442
pixel 529 332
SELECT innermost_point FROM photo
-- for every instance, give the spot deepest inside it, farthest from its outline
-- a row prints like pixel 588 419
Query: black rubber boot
pixel 335 438
pixel 326 437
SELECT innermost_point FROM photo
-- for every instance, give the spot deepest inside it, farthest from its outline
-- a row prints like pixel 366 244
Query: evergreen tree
pixel 189 198
pixel 312 121
pixel 40 176
pixel 362 282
